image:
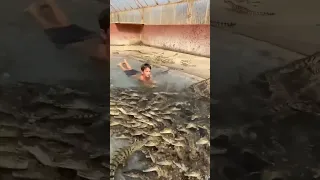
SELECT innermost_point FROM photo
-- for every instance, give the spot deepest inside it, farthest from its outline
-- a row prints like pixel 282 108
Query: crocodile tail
pixel 262 13
pixel 222 24
pixel 112 171
pixel 85 116
pixel 114 164
pixel 57 116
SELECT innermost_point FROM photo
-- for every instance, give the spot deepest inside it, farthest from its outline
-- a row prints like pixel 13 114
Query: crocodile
pixel 221 24
pixel 122 155
pixel 161 171
pixel 201 88
pixel 279 98
pixel 242 10
pixel 308 63
pixel 137 175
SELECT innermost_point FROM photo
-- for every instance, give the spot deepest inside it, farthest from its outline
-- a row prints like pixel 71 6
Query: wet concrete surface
pixel 26 54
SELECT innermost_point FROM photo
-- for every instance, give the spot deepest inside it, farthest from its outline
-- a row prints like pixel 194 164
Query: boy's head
pixel 146 70
pixel 104 23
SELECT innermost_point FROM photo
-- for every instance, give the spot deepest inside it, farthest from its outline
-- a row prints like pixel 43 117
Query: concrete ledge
pixel 198 66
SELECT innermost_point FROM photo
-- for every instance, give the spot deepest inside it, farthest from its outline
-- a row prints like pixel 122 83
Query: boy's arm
pixel 93 48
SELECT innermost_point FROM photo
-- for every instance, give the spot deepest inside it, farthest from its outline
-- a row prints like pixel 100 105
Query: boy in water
pixel 67 35
pixel 144 77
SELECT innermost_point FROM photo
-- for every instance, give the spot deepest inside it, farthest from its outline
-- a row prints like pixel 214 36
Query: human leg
pixel 127 64
pixel 58 13
pixel 56 25
pixel 45 11
pixel 122 67
pixel 126 68
pixel 33 9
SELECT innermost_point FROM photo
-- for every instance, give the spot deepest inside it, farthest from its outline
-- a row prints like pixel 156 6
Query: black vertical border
pixel 211 90
pixel 107 43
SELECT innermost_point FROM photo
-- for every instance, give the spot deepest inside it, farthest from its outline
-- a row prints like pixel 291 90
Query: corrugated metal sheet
pixel 125 5
pixel 160 11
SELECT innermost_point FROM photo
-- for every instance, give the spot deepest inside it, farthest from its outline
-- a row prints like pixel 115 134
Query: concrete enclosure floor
pixel 295 28
pixel 190 64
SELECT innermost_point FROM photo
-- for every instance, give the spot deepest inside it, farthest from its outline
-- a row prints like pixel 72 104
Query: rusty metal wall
pixel 182 12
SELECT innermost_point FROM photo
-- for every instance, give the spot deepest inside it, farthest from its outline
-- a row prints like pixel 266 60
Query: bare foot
pixel 32 8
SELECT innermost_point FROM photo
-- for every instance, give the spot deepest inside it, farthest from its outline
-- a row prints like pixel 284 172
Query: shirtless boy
pixel 144 76
pixel 67 35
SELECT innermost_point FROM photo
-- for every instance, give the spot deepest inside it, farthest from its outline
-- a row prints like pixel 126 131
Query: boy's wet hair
pixel 144 66
pixel 104 19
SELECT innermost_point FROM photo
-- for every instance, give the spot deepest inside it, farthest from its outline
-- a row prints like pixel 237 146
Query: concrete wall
pixel 192 39
pixel 125 34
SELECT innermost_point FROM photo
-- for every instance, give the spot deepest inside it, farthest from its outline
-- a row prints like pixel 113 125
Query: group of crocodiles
pixel 167 128
pixel 46 133
pixel 273 120
pixel 292 87
pixel 50 132
pixel 240 10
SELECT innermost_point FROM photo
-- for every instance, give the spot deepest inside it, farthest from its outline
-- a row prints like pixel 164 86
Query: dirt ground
pixel 195 65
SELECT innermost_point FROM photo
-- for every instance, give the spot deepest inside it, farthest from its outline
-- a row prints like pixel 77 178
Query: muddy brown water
pixel 162 75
